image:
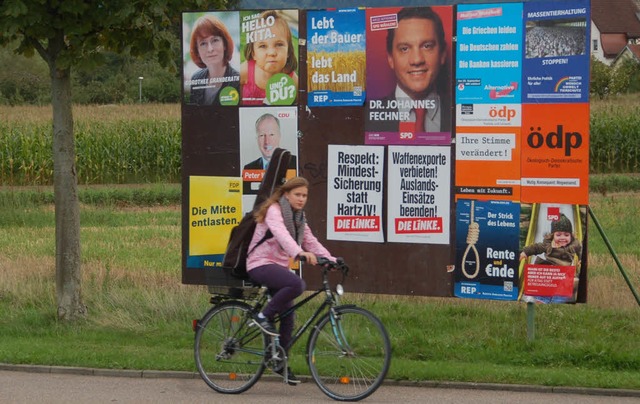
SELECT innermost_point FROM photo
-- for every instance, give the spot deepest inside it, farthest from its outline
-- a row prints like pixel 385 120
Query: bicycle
pixel 348 351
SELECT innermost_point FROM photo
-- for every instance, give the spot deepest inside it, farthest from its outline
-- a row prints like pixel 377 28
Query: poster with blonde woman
pixel 211 58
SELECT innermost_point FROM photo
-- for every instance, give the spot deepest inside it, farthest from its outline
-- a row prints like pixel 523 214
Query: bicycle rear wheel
pixel 229 353
pixel 349 354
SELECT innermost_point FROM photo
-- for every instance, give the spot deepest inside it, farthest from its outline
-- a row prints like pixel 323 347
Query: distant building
pixel 628 52
pixel 615 29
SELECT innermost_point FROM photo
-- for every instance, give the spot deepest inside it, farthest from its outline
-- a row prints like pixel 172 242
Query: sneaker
pixel 265 325
pixel 291 379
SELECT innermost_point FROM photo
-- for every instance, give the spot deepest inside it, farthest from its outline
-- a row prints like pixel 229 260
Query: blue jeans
pixel 284 286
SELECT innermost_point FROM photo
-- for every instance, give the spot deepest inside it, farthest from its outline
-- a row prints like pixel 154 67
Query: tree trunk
pixel 67 206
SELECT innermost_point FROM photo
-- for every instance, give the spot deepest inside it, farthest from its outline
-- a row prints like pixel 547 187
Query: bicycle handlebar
pixel 329 265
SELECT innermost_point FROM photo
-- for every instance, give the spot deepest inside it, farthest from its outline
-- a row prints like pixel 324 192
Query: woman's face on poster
pixel 211 50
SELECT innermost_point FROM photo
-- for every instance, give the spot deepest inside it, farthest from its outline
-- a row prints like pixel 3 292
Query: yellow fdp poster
pixel 215 207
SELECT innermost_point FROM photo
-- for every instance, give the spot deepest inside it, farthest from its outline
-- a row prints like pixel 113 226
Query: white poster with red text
pixel 419 181
pixel 354 193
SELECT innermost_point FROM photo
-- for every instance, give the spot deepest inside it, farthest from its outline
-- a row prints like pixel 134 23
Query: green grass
pixel 140 314
pixel 607 183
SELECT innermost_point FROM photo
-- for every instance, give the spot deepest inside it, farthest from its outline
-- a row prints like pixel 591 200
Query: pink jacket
pixel 278 249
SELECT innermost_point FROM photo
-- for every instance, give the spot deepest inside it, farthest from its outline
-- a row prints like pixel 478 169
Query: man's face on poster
pixel 416 56
pixel 268 133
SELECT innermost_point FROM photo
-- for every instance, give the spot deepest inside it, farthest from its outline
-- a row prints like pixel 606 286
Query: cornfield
pixel 114 144
pixel 124 144
pixel 615 138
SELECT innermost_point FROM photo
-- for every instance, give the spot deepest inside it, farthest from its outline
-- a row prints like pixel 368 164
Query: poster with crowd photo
pixel 418 194
pixel 214 209
pixel 269 68
pixel 555 153
pixel 354 193
pixel 489 64
pixel 487 252
pixel 211 58
pixel 488 163
pixel 556 64
pixel 262 130
pixel 552 252
pixel 409 75
pixel 336 60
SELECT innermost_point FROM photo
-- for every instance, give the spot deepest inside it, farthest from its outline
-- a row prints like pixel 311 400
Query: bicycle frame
pixel 330 301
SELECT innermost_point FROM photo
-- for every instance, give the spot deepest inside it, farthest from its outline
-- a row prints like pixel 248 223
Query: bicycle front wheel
pixel 349 353
pixel 229 353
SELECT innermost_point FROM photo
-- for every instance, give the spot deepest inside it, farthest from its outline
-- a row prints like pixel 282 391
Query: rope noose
pixel 472 238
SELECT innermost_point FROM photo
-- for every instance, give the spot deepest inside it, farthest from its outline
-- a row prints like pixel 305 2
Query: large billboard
pixel 433 170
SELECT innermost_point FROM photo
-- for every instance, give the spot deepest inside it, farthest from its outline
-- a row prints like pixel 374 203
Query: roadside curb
pixel 163 374
pixel 520 387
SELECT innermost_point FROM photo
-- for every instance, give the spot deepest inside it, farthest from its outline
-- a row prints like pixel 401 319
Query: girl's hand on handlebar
pixel 326 263
pixel 308 257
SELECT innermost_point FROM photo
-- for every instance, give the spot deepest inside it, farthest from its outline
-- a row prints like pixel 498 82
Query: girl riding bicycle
pixel 282 216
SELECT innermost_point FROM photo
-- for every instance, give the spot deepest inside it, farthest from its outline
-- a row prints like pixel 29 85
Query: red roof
pixel 612 44
pixel 616 17
pixel 635 49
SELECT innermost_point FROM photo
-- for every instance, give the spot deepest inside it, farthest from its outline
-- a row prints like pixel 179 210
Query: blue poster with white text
pixel 487 250
pixel 556 64
pixel 489 53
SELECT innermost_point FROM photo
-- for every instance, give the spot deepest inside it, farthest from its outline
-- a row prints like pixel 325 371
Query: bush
pixel 23 80
pixel 600 78
pixel 625 77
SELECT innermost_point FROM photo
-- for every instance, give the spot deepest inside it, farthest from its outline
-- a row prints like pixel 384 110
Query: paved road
pixel 63 386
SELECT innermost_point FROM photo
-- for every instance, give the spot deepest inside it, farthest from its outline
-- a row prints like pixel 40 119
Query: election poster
pixel 418 198
pixel 487 253
pixel 211 54
pixel 214 209
pixel 489 53
pixel 556 64
pixel 552 252
pixel 262 130
pixel 409 76
pixel 354 193
pixel 488 163
pixel 488 64
pixel 269 68
pixel 336 59
pixel 555 153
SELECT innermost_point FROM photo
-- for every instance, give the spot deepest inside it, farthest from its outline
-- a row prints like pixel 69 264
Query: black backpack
pixel 235 258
